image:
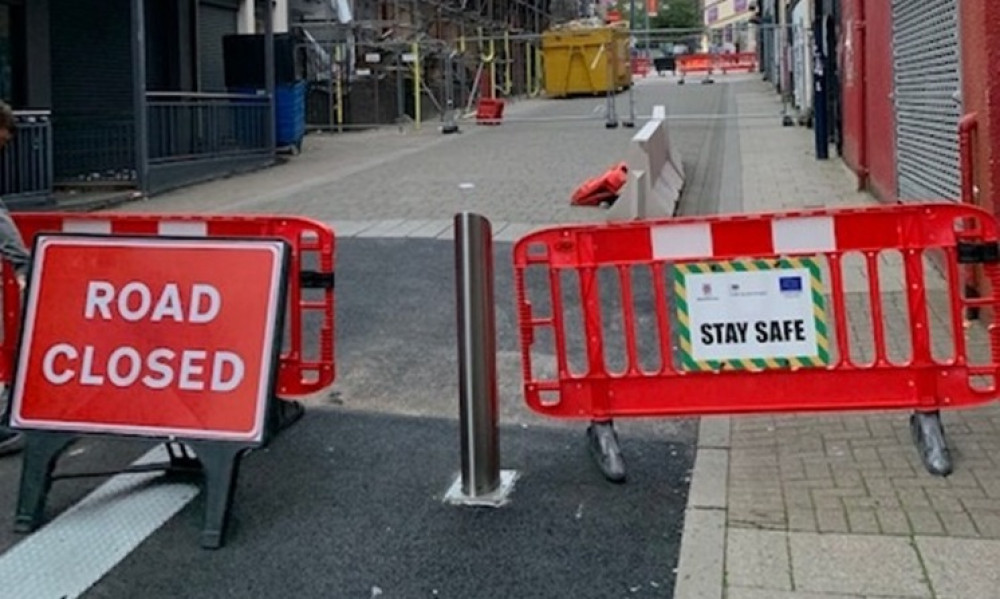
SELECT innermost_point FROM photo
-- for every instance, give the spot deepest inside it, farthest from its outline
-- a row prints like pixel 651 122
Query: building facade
pixel 728 26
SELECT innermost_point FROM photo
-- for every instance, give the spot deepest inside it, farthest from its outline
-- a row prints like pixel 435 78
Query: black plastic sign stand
pixel 215 462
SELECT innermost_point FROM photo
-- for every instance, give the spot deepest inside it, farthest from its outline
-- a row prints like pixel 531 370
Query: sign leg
pixel 286 413
pixel 928 435
pixel 604 448
pixel 41 452
pixel 221 463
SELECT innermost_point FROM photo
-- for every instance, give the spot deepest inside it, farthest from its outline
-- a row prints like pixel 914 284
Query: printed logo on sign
pixel 790 285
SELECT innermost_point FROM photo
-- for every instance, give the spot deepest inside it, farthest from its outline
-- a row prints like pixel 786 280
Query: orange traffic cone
pixel 601 189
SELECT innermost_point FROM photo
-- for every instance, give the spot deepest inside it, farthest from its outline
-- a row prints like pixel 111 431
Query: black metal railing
pixel 94 148
pixel 26 160
pixel 186 126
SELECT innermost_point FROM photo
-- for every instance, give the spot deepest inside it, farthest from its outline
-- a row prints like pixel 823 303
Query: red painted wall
pixel 869 116
pixel 880 113
pixel 980 35
pixel 850 54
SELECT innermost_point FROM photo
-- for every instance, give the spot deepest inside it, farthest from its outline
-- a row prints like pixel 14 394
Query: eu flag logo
pixel 790 284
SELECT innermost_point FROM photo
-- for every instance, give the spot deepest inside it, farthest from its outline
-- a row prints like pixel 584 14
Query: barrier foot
pixel 182 462
pixel 221 463
pixel 41 452
pixel 606 451
pixel 928 435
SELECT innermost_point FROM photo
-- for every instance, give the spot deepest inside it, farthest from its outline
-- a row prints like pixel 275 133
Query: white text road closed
pixel 751 316
pixel 150 336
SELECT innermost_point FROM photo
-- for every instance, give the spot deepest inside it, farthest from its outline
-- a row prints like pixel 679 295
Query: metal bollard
pixel 449 126
pixel 481 482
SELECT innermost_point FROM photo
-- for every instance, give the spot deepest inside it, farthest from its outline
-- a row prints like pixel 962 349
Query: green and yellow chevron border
pixel 688 362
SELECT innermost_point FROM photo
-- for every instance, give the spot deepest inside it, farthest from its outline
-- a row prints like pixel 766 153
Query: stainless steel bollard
pixel 449 126
pixel 477 367
pixel 481 482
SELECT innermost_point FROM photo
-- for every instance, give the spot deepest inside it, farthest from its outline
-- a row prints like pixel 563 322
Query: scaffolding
pixel 409 62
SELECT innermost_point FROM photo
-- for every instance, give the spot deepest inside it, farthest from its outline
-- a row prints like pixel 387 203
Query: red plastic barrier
pixel 601 189
pixel 307 363
pixel 745 62
pixel 641 66
pixel 608 291
pixel 696 63
pixel 489 111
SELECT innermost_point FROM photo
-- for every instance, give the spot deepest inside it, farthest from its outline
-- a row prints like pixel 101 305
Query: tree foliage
pixel 677 14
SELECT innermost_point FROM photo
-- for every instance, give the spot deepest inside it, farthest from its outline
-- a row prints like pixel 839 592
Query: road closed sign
pixel 751 314
pixel 150 336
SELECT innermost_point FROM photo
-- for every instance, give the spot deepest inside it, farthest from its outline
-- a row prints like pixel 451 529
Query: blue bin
pixel 290 112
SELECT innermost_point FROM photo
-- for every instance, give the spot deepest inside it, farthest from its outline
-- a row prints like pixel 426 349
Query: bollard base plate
pixel 498 498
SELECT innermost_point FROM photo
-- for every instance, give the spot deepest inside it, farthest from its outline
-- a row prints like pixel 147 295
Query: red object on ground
pixel 489 111
pixel 601 189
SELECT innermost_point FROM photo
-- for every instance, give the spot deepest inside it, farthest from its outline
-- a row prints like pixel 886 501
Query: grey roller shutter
pixel 927 86
pixel 214 22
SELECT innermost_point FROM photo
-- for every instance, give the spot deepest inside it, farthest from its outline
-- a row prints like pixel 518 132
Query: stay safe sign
pixel 751 314
pixel 150 336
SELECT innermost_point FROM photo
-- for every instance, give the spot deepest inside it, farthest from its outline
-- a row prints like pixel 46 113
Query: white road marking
pixel 86 541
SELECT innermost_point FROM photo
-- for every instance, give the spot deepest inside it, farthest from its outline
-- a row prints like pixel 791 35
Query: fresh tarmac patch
pixel 350 505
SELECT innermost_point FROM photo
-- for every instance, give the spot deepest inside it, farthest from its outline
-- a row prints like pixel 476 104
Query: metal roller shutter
pixel 928 106
pixel 214 22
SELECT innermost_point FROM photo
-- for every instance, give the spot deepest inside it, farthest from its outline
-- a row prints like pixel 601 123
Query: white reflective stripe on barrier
pixel 806 234
pixel 73 225
pixel 183 228
pixel 674 242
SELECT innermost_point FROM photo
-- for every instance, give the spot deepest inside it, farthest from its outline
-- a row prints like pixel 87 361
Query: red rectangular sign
pixel 149 336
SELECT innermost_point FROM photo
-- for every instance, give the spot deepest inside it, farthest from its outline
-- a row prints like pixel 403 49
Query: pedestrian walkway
pixel 839 505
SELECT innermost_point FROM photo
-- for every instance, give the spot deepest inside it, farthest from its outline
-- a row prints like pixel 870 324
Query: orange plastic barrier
pixel 750 313
pixel 307 357
pixel 601 189
pixel 641 66
pixel 745 62
pixel 696 63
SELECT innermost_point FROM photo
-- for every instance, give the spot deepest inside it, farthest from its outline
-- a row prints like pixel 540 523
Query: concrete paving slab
pixel 735 592
pixel 406 227
pixel 514 231
pixel 700 572
pixel 858 564
pixel 961 568
pixel 350 228
pixel 757 558
pixel 708 483
pixel 381 228
pixel 714 431
pixel 431 229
